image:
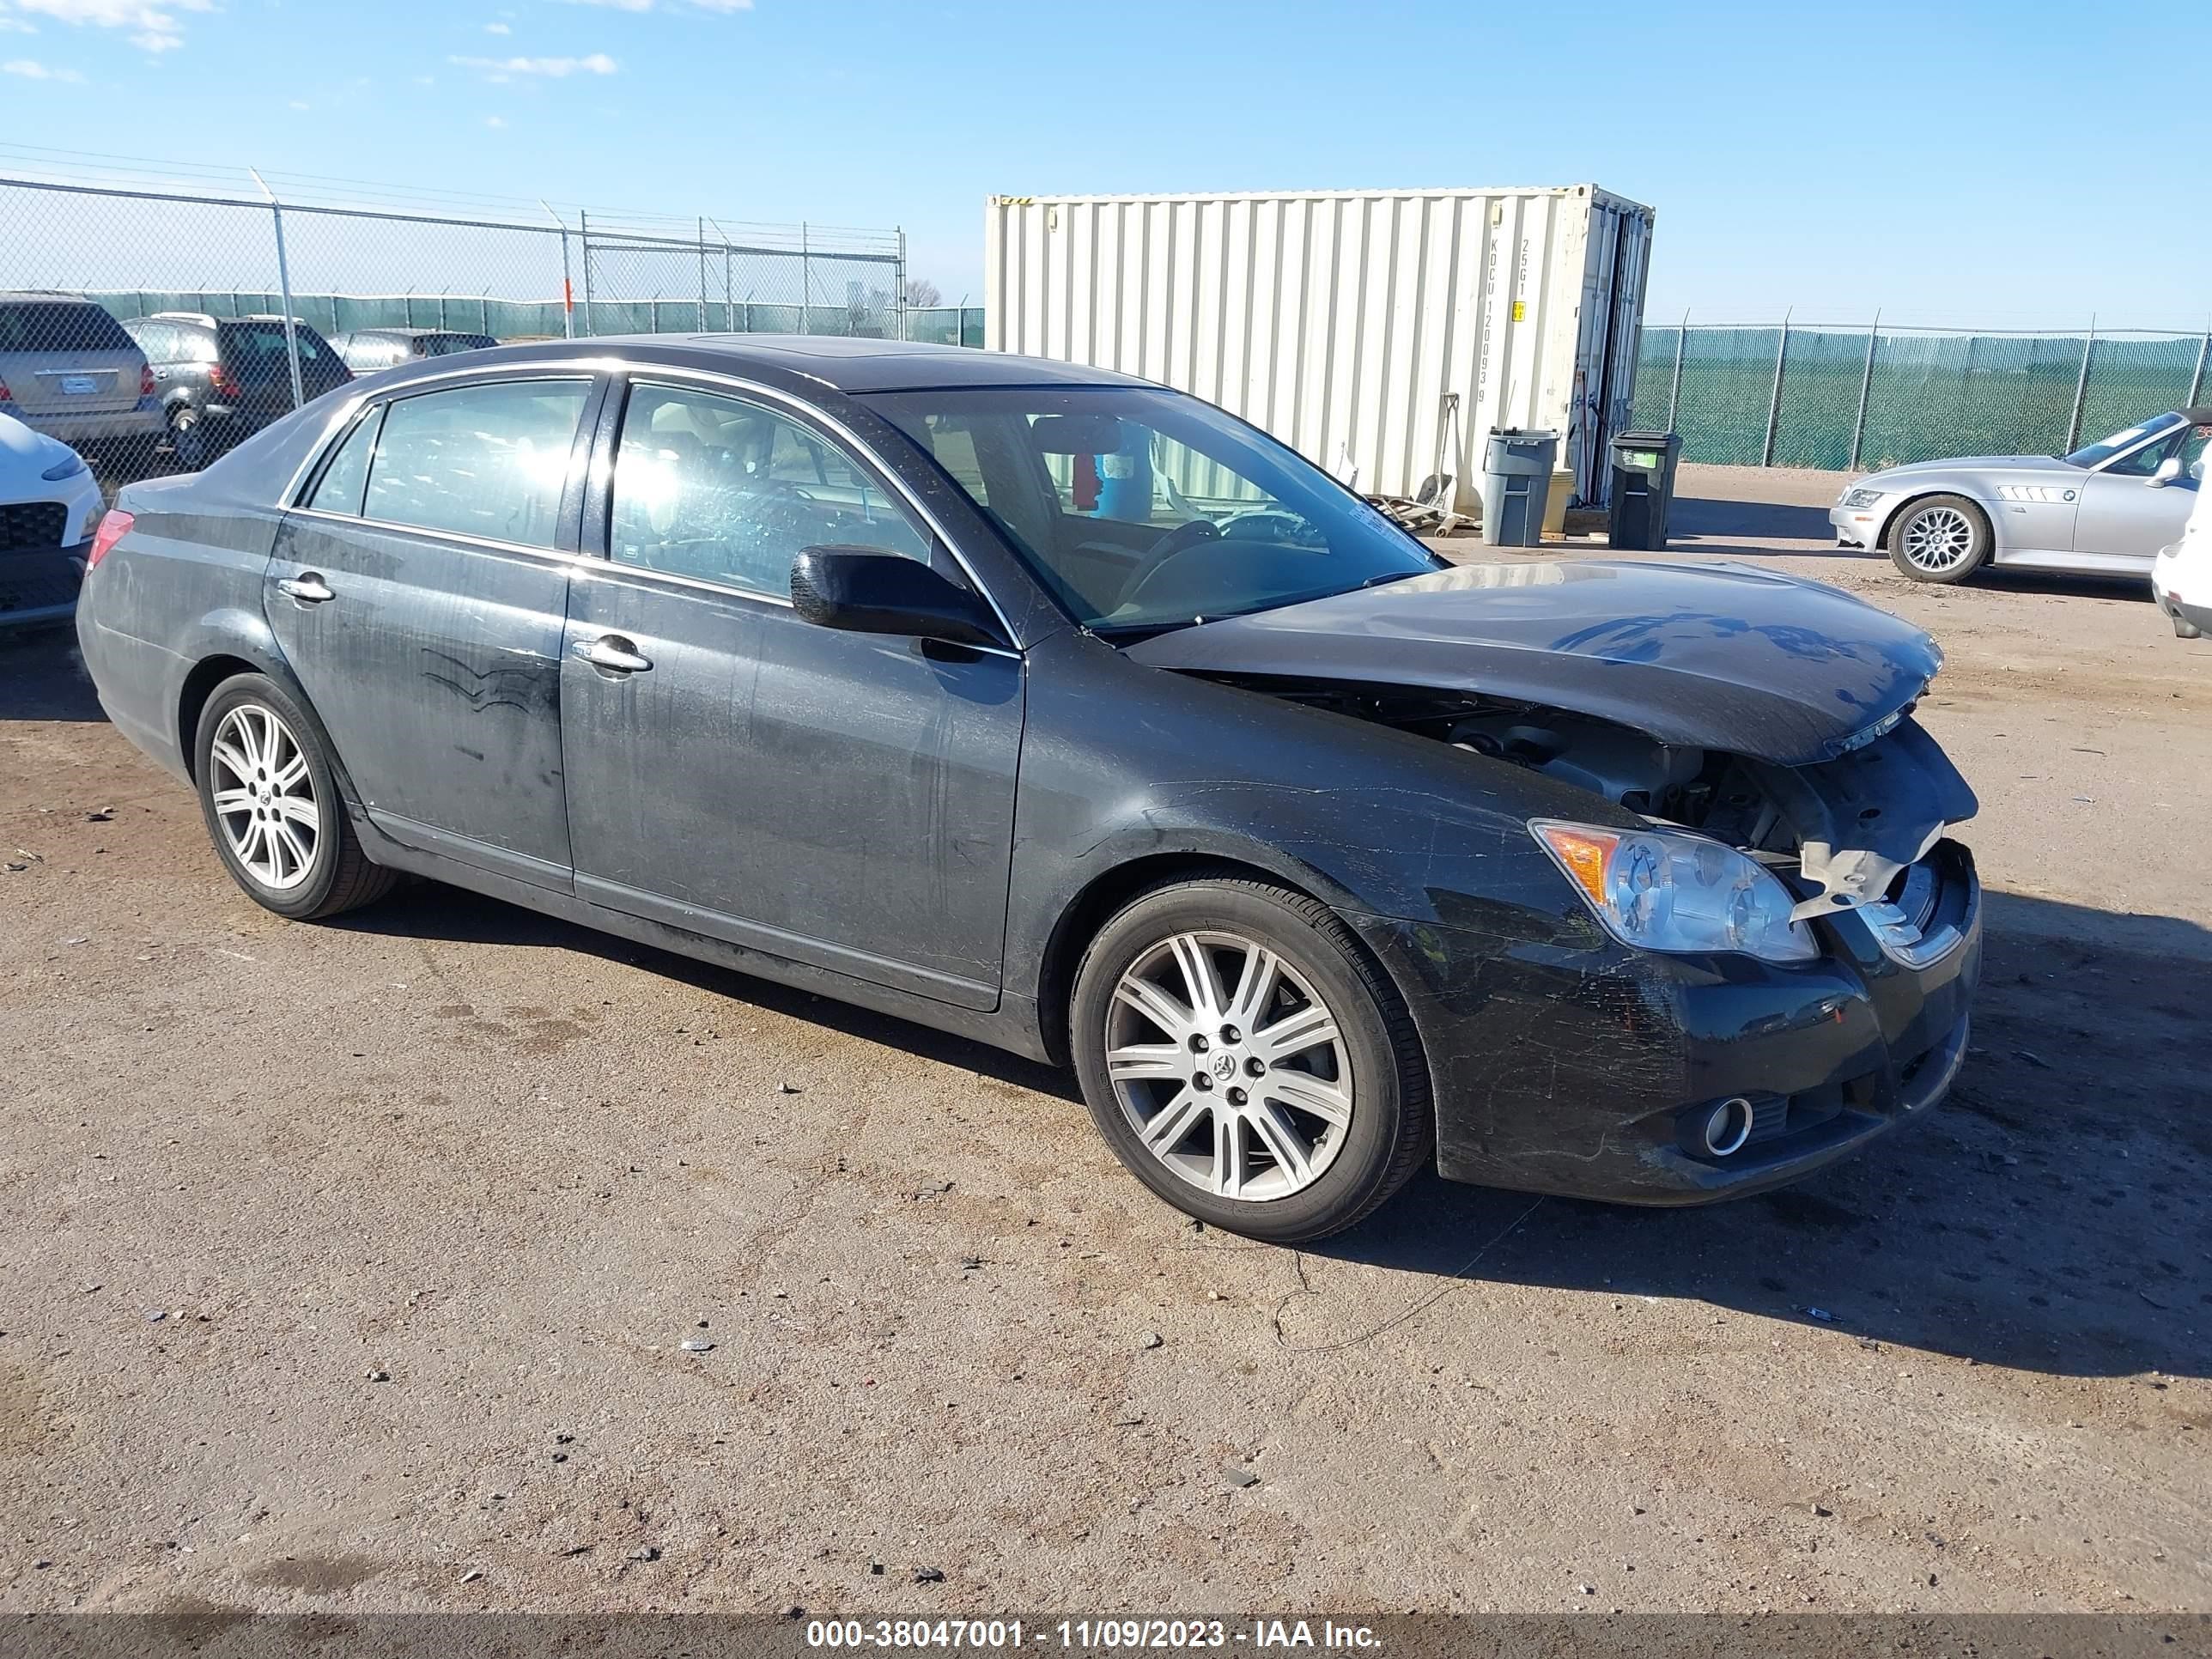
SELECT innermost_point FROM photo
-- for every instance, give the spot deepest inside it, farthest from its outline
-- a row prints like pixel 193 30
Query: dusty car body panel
pixel 1703 656
pixel 933 839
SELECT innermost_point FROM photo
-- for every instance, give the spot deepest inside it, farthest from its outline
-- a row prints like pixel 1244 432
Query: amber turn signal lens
pixel 1583 853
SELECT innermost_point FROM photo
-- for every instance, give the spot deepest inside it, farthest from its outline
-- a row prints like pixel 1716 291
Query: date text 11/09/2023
pixel 1083 1635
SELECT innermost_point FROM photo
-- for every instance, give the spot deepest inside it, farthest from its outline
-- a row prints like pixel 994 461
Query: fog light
pixel 1729 1127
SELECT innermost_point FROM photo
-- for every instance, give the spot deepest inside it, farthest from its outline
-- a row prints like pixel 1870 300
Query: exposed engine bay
pixel 1851 825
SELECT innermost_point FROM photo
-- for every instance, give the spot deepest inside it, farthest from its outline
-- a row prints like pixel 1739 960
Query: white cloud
pixel 16 26
pixel 35 72
pixel 495 120
pixel 297 104
pixel 556 69
pixel 154 26
pixel 497 28
pixel 674 5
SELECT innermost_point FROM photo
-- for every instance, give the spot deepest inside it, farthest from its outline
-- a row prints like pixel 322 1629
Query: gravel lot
pixel 346 1266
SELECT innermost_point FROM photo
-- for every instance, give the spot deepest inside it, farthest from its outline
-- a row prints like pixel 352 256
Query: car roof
pixel 837 361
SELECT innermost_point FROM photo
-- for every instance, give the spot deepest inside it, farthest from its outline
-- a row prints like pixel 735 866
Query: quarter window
pixel 724 490
pixel 338 490
pixel 480 460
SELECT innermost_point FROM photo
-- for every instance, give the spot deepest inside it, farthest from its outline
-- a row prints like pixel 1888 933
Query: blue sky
pixel 1967 164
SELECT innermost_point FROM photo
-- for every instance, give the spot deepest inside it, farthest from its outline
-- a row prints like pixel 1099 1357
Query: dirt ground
pixel 345 1267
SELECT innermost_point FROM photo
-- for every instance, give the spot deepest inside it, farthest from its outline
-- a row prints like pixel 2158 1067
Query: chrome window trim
pixel 389 526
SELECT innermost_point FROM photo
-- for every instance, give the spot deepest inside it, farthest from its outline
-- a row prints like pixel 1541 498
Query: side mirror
pixel 2169 470
pixel 865 590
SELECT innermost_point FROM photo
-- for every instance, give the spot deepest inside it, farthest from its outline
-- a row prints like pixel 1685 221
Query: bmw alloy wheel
pixel 1938 539
pixel 1230 1068
pixel 264 797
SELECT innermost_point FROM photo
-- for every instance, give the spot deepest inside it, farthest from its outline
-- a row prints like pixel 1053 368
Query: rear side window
pixel 60 325
pixel 252 343
pixel 338 490
pixel 478 460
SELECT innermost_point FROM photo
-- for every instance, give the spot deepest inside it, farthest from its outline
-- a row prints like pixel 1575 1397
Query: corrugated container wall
pixel 1386 332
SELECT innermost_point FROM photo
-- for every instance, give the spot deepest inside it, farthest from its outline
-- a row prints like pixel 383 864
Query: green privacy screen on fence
pixel 525 319
pixel 1920 395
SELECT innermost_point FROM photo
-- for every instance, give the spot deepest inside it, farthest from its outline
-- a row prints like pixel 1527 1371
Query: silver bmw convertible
pixel 2104 510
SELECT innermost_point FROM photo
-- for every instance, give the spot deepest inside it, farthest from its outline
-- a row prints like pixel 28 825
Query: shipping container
pixel 1380 333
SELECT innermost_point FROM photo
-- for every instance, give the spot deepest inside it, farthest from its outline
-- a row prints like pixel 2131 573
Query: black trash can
pixel 1516 479
pixel 1642 488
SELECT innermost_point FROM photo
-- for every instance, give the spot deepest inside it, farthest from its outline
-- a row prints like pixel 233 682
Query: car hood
pixel 25 452
pixel 1973 464
pixel 1708 656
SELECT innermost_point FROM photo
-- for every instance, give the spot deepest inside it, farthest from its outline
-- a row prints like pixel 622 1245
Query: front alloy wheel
pixel 1247 1060
pixel 1943 539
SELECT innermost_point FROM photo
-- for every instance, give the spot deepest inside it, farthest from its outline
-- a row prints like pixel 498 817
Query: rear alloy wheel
pixel 1943 539
pixel 272 805
pixel 1248 1061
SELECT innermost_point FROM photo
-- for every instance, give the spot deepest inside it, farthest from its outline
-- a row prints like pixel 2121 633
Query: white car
pixel 2181 577
pixel 49 504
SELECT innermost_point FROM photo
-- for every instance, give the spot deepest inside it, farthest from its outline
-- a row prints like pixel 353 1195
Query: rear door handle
pixel 613 655
pixel 307 588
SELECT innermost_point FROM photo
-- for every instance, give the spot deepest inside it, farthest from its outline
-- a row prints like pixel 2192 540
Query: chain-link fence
pixel 227 305
pixel 1849 399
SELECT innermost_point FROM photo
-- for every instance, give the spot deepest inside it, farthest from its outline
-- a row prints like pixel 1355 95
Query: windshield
pixel 2097 454
pixel 1143 509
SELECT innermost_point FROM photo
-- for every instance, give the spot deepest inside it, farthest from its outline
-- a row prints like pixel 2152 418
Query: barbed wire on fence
pixel 1850 398
pixel 140 237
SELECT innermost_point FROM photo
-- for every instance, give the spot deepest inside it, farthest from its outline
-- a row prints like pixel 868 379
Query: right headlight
pixel 1861 497
pixel 1662 889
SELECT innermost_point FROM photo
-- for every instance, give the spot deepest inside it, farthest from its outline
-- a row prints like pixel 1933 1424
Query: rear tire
pixel 2186 630
pixel 272 807
pixel 187 442
pixel 1248 1060
pixel 1940 539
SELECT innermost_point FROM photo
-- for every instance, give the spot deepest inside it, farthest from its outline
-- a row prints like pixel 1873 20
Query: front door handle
pixel 307 588
pixel 613 655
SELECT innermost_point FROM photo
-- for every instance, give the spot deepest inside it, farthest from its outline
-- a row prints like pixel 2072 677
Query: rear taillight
pixel 115 525
pixel 6 396
pixel 220 382
pixel 145 380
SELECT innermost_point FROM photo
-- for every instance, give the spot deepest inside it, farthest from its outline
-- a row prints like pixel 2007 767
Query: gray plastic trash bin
pixel 1642 488
pixel 1516 477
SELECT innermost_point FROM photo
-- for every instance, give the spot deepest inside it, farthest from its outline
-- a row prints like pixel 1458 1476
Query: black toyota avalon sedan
pixel 1058 709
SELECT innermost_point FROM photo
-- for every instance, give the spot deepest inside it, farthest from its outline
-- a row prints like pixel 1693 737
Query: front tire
pixel 1943 539
pixel 272 807
pixel 1248 1060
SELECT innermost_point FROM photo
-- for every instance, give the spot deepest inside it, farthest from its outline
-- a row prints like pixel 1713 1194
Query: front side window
pixel 480 460
pixel 2097 454
pixel 1143 509
pixel 725 490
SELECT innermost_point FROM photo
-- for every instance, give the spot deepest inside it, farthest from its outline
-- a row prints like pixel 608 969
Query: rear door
pixel 419 593
pixel 2127 515
pixel 67 357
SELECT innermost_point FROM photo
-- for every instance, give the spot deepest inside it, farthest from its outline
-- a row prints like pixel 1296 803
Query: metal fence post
pixel 284 289
pixel 1673 392
pixel 584 236
pixel 702 275
pixel 1866 386
pixel 898 300
pixel 2197 380
pixel 1774 401
pixel 2081 388
pixel 567 297
pixel 805 283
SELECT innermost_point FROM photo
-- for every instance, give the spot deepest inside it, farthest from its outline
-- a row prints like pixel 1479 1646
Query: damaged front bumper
pixel 1563 1069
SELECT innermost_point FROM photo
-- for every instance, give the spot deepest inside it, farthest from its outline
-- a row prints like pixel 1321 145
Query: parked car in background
pixel 49 500
pixel 368 349
pixel 70 370
pixel 222 378
pixel 2104 510
pixel 1054 709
